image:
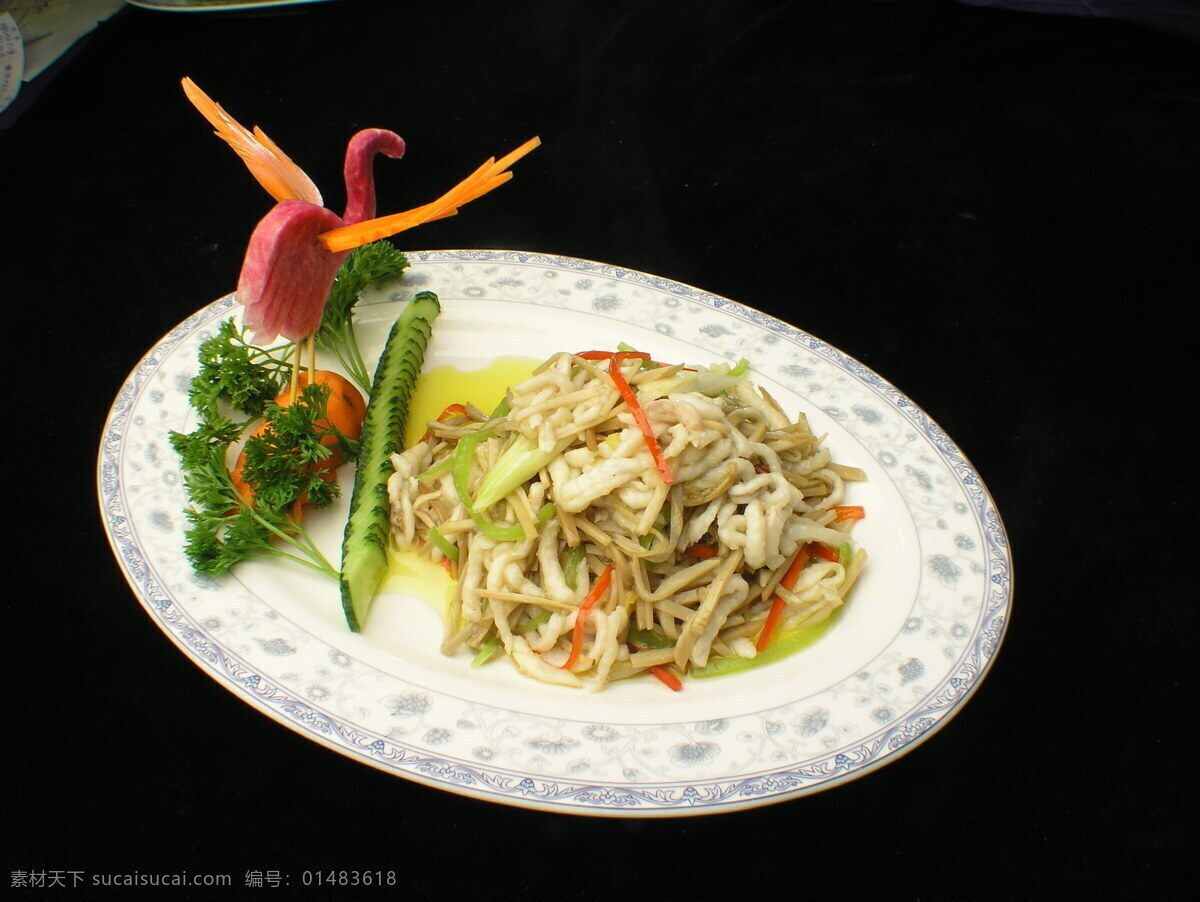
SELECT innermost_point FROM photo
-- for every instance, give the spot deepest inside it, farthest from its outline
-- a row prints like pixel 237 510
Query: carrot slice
pixel 799 562
pixel 639 415
pixel 273 169
pixel 769 625
pixel 667 678
pixel 594 596
pixel 488 177
pixel 849 512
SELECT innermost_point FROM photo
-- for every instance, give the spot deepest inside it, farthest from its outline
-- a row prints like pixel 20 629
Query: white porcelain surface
pixel 916 638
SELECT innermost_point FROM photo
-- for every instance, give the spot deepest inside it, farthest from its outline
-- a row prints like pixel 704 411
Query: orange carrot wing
pixel 273 169
pixel 487 177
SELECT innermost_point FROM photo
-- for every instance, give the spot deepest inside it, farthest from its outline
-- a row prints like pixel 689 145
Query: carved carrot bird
pixel 296 250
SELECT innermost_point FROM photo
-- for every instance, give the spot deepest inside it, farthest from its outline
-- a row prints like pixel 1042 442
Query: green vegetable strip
pixel 572 561
pixel 444 545
pixel 464 456
pixel 441 468
pixel 489 647
pixel 533 622
pixel 646 364
pixel 519 463
pixel 364 547
pixel 649 639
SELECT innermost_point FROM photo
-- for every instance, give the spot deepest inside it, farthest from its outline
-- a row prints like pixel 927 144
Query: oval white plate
pixel 916 638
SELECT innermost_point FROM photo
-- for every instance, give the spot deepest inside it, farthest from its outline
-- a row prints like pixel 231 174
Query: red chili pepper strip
pixel 772 621
pixel 594 596
pixel 608 355
pixel 824 551
pixel 454 410
pixel 849 512
pixel 667 678
pixel 799 562
pixel 639 415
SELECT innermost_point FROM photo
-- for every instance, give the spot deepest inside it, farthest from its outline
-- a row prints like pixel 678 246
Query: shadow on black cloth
pixel 1180 17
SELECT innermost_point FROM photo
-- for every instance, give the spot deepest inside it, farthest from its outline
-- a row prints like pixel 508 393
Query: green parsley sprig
pixel 282 468
pixel 366 265
pixel 235 371
pixel 285 461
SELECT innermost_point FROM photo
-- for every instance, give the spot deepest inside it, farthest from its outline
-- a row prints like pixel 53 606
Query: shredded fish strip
pixel 696 563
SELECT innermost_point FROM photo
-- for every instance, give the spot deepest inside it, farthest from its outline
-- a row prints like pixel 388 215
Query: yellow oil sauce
pixel 446 385
pixel 408 572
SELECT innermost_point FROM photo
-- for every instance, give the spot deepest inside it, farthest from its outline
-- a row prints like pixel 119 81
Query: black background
pixel 997 211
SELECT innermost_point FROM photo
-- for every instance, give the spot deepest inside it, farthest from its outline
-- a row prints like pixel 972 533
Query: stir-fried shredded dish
pixel 616 516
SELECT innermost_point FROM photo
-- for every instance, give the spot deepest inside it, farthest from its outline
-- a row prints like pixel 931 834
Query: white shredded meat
pixel 635 517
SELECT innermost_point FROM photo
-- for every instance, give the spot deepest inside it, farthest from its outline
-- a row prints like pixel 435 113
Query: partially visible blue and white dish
pixel 12 60
pixel 213 6
pixel 919 633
